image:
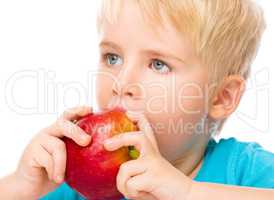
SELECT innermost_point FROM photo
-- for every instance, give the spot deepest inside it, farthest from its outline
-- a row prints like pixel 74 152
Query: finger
pixel 146 196
pixel 42 159
pixel 142 196
pixel 136 139
pixel 57 149
pixel 127 170
pixel 76 112
pixel 139 187
pixel 68 129
pixel 144 126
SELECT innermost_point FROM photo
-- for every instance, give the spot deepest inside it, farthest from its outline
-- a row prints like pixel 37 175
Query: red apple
pixel 92 170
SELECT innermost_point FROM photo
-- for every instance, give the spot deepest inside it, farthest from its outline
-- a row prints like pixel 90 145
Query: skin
pixel 168 95
pixel 42 165
pixel 169 158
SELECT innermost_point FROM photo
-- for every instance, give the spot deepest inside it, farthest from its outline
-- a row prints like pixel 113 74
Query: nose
pixel 127 83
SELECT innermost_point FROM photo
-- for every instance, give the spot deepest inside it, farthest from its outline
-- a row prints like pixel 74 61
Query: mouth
pixel 132 106
pixel 115 103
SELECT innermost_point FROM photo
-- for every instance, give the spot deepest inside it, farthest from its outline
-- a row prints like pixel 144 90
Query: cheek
pixel 167 98
pixel 191 100
pixel 104 83
pixel 178 111
pixel 174 132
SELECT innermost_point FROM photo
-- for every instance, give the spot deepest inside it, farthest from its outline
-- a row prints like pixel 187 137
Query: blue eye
pixel 160 67
pixel 113 59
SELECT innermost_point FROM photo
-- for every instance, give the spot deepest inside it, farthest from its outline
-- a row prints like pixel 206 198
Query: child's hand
pixel 150 177
pixel 42 165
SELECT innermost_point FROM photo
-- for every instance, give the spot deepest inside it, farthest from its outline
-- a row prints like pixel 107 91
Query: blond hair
pixel 225 33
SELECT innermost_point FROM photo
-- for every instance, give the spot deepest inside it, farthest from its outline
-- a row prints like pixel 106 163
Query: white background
pixel 48 47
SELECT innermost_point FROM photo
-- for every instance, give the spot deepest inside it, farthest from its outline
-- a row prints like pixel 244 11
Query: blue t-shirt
pixel 227 162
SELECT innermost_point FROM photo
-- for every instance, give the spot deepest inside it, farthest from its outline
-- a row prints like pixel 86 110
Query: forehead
pixel 129 26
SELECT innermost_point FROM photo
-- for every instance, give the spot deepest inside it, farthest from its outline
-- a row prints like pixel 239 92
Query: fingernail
pixel 85 137
pixel 108 142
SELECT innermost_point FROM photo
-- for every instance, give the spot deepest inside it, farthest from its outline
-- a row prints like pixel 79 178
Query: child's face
pixel 154 70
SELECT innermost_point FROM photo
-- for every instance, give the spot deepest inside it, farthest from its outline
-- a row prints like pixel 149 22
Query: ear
pixel 227 98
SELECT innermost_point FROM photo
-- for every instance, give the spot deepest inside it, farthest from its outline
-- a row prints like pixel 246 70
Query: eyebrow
pixel 152 52
pixel 110 44
pixel 158 53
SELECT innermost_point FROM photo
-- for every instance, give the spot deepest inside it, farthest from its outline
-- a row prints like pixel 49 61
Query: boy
pixel 172 63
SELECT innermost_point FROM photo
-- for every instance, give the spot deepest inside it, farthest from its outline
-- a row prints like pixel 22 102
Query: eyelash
pixel 162 62
pixel 105 57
